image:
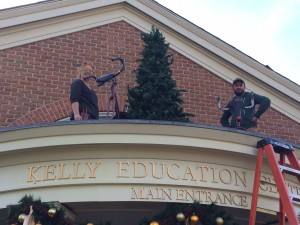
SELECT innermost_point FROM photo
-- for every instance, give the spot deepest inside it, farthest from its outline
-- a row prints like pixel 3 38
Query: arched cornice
pixel 129 132
pixel 60 109
pixel 118 156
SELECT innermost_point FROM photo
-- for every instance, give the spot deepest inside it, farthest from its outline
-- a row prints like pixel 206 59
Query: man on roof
pixel 242 109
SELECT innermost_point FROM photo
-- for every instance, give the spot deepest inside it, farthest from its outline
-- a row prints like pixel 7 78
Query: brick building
pixel 42 45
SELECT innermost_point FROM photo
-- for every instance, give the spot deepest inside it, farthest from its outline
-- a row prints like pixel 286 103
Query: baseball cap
pixel 238 79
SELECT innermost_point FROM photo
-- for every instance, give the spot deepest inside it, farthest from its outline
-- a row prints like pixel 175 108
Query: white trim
pixel 39 11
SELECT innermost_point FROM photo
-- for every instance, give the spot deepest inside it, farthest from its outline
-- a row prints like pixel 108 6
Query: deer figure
pixel 237 105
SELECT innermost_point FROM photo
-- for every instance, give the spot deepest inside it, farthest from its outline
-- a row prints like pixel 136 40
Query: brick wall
pixel 36 79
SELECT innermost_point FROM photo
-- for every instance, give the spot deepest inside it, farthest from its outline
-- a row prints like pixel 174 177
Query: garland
pixel 174 213
pixel 190 214
pixel 43 213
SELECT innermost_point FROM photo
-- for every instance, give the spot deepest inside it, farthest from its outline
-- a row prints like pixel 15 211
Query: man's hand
pixel 254 119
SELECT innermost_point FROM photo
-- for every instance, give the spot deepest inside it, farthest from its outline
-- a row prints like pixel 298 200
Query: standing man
pixel 241 108
pixel 84 101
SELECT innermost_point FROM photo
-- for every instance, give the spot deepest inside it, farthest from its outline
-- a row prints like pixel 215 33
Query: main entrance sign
pixel 133 163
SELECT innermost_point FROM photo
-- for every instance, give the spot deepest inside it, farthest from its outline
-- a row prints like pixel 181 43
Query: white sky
pixel 266 30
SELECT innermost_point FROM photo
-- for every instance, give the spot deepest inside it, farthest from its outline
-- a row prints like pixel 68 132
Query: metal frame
pixel 286 208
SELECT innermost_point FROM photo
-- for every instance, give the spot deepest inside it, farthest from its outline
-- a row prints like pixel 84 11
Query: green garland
pixel 40 212
pixel 207 214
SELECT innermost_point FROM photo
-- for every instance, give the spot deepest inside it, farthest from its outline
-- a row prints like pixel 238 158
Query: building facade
pixel 127 167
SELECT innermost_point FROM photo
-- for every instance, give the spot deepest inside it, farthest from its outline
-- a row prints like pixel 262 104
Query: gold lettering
pixel 32 171
pixel 93 170
pixel 180 193
pixel 218 199
pixel 61 173
pixel 228 198
pixel 170 173
pixel 136 195
pixel 207 196
pixel 190 172
pixel 121 169
pixel 202 172
pixel 162 170
pixel 168 194
pixel 136 171
pixel 238 202
pixel 242 179
pixel 214 175
pixel 158 192
pixel 192 196
pixel 244 201
pixel 198 192
pixel 298 191
pixel 150 194
pixel 228 177
pixel 262 185
pixel 292 188
pixel 272 185
pixel 76 176
pixel 47 172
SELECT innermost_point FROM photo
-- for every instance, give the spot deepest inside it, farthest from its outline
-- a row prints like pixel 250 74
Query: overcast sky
pixel 266 30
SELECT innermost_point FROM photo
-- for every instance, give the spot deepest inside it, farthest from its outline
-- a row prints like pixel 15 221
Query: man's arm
pixel 264 104
pixel 225 117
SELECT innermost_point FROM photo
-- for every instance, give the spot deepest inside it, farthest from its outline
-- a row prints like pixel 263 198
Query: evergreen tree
pixel 156 96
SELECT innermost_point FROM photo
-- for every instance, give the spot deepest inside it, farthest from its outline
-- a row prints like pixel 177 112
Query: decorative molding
pixel 152 161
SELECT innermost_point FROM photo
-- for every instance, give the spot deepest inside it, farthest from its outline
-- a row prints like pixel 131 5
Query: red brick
pixel 37 77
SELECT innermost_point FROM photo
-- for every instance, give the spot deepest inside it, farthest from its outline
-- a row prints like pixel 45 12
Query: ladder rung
pixel 288 170
pixel 295 198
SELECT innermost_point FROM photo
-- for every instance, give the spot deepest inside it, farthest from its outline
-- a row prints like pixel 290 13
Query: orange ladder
pixel 279 169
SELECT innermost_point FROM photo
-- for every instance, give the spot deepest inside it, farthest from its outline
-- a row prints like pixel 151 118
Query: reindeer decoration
pixel 236 106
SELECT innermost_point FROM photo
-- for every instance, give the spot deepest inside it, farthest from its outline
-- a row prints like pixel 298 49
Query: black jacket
pixel 246 113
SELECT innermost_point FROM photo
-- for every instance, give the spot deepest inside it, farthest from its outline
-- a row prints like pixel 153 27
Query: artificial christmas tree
pixel 156 96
